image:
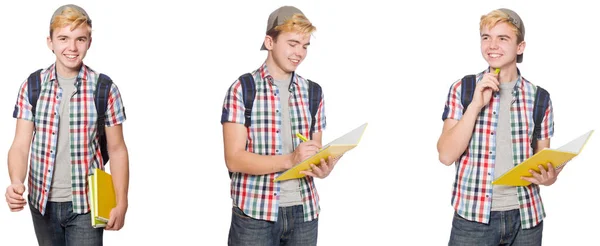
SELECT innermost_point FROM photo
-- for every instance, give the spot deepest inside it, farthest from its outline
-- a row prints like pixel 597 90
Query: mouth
pixel 295 61
pixel 71 57
pixel 494 55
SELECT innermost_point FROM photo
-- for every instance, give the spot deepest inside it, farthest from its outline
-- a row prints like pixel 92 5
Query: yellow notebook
pixel 335 148
pixel 102 197
pixel 557 157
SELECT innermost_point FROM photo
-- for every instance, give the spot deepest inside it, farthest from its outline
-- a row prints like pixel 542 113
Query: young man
pixel 491 136
pixel 267 212
pixel 65 147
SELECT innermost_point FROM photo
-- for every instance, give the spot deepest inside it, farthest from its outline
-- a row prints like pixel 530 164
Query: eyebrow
pixel 500 36
pixel 65 36
pixel 298 42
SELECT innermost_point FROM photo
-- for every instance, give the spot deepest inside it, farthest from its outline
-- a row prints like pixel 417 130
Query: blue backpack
pixel 542 99
pixel 100 98
pixel 249 93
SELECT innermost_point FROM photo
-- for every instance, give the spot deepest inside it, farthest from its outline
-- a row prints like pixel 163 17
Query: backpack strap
pixel 103 86
pixel 34 84
pixel 467 90
pixel 542 100
pixel 314 98
pixel 248 94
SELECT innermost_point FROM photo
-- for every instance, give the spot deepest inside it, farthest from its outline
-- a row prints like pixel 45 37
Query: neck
pixel 507 74
pixel 276 71
pixel 66 72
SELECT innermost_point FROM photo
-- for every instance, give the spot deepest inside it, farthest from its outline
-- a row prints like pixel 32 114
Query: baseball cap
pixel 73 6
pixel 514 18
pixel 278 17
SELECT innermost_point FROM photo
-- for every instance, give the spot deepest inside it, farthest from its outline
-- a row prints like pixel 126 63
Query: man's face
pixel 289 50
pixel 70 47
pixel 499 45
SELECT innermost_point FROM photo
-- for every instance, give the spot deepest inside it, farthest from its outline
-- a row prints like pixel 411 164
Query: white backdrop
pixel 389 65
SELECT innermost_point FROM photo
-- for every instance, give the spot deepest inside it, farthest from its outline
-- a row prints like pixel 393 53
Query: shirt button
pixel 491 152
pixel 492 133
pixel 275 194
pixel 494 112
pixel 277 131
pixel 277 151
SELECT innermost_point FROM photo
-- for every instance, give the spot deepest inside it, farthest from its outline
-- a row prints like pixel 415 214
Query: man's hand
pixel 304 151
pixel 544 177
pixel 324 169
pixel 484 89
pixel 14 197
pixel 117 218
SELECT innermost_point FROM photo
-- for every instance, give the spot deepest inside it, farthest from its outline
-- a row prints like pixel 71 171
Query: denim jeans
pixel 504 228
pixel 290 229
pixel 59 226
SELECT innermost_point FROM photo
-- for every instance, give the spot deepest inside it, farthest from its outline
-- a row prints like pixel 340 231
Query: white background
pixel 388 65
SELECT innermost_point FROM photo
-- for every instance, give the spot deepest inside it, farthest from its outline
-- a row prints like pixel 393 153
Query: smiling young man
pixel 262 146
pixel 491 135
pixel 61 131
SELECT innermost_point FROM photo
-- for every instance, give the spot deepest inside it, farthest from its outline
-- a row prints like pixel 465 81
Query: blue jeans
pixel 290 229
pixel 59 226
pixel 504 229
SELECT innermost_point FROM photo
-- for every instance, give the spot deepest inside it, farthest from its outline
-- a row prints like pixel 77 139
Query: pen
pixel 303 138
pixel 497 71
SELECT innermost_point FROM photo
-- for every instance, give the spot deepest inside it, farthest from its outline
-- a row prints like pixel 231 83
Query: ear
pixel 90 43
pixel 521 48
pixel 49 43
pixel 269 42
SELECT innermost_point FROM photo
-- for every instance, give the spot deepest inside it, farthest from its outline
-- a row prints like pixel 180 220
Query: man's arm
pixel 456 135
pixel 19 150
pixel 238 159
pixel 17 165
pixel 119 170
pixel 457 131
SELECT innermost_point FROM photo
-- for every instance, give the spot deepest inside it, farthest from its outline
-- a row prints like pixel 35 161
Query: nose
pixel 300 51
pixel 72 45
pixel 494 44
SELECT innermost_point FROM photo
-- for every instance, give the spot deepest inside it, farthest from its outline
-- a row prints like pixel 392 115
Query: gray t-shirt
pixel 60 189
pixel 504 197
pixel 289 193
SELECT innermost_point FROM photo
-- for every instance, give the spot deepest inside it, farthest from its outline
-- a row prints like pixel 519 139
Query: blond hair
pixel 298 23
pixel 70 16
pixel 497 17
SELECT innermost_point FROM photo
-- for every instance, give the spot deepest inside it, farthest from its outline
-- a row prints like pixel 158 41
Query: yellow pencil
pixel 303 138
pixel 497 71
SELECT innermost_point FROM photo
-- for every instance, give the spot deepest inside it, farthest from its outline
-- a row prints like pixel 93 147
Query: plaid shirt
pixel 472 191
pixel 257 195
pixel 85 148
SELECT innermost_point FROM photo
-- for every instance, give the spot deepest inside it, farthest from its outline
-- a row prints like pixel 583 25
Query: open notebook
pixel 557 157
pixel 102 197
pixel 335 148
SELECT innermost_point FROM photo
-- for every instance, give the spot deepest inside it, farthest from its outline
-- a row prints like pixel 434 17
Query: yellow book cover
pixel 557 157
pixel 105 198
pixel 91 194
pixel 335 148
